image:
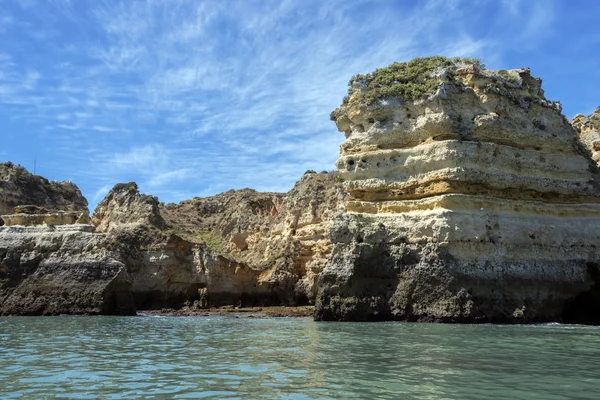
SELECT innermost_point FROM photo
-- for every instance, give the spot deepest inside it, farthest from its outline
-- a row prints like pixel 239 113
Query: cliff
pixel 239 247
pixel 471 200
pixel 19 187
pixel 51 261
pixel 462 195
pixel 588 132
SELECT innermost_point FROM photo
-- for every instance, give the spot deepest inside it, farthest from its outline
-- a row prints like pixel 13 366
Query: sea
pixel 232 357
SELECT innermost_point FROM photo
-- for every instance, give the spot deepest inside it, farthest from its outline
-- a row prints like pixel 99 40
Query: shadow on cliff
pixel 585 308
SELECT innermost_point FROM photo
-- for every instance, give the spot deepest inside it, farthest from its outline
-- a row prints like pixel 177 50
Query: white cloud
pixel 100 194
pixel 196 97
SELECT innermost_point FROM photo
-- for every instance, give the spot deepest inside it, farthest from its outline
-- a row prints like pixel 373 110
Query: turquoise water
pixel 228 357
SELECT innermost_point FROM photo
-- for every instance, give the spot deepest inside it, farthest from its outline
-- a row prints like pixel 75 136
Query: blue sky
pixel 193 98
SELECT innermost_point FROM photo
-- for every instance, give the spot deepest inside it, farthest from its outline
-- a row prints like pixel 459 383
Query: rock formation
pixel 467 197
pixel 19 187
pixel 240 247
pixel 66 269
pixel 282 236
pixel 588 131
pixel 471 200
pixel 51 261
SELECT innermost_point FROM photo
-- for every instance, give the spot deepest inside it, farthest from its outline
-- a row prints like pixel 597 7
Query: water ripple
pixel 225 357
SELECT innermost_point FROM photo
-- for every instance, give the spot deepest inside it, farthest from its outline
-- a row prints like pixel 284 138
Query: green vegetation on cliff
pixel 20 187
pixel 411 80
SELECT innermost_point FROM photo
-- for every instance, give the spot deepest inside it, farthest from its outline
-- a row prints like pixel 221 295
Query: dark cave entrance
pixel 585 307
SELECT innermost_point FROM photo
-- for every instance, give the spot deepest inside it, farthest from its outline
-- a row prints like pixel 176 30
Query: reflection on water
pixel 227 357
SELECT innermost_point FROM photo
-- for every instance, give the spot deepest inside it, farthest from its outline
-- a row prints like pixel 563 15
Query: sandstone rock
pixel 471 200
pixel 51 261
pixel 58 218
pixel 239 247
pixel 281 236
pixel 67 269
pixel 588 131
pixel 19 187
pixel 124 208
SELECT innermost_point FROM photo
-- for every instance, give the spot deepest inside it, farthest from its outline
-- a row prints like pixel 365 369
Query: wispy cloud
pixel 191 98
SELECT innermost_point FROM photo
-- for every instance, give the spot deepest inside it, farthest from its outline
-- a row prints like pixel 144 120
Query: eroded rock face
pixel 125 208
pixel 471 200
pixel 66 269
pixel 240 247
pixel 588 131
pixel 57 218
pixel 281 236
pixel 51 261
pixel 19 187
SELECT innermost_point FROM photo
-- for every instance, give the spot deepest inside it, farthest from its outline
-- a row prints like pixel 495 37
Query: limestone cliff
pixel 51 261
pixel 66 269
pixel 588 131
pixel 19 187
pixel 471 199
pixel 236 247
pixel 283 236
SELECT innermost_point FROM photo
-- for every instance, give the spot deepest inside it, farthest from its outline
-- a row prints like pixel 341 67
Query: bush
pixel 408 80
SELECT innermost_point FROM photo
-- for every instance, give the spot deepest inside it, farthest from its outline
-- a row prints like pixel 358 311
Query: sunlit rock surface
pixel 588 131
pixel 236 248
pixel 471 200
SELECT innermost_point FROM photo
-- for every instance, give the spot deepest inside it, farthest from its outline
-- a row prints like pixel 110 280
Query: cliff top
pixel 592 121
pixel 424 78
pixel 19 187
pixel 125 208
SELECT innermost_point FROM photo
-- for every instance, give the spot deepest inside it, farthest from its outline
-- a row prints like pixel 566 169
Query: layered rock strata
pixel 30 215
pixel 51 261
pixel 471 200
pixel 65 269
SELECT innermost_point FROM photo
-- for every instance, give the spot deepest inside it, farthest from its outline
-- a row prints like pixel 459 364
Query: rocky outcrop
pixel 588 131
pixel 239 247
pixel 281 236
pixel 51 261
pixel 66 269
pixel 471 200
pixel 124 208
pixel 19 187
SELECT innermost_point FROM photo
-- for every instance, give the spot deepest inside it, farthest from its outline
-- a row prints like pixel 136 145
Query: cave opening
pixel 585 307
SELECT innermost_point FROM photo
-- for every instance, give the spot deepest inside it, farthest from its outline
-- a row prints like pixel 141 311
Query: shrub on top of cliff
pixel 508 76
pixel 411 80
pixel 122 187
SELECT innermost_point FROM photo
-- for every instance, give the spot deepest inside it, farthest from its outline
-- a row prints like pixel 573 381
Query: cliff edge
pixel 51 260
pixel 20 187
pixel 236 248
pixel 471 200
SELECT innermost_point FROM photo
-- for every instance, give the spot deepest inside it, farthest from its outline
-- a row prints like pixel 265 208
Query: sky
pixel 193 98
